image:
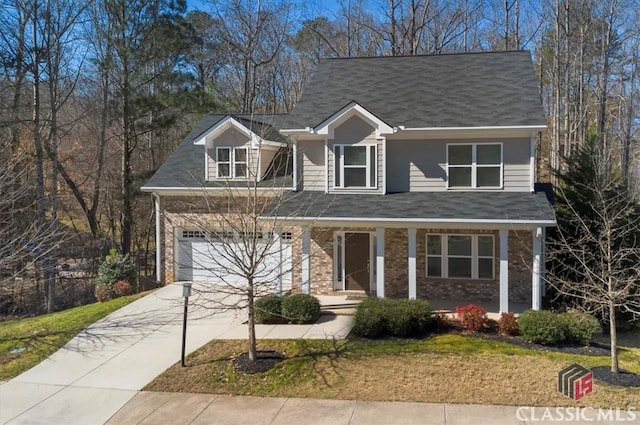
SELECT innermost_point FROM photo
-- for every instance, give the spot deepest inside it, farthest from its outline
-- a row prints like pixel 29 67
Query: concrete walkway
pixel 152 408
pixel 100 370
pixel 96 378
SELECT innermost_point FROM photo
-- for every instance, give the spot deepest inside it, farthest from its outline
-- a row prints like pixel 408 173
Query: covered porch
pixel 451 248
pixel 503 275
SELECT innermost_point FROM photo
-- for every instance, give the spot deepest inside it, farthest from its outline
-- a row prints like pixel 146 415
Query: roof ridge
pixel 435 55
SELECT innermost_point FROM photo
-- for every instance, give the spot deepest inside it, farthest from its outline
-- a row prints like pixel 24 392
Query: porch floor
pixel 492 307
pixel 345 304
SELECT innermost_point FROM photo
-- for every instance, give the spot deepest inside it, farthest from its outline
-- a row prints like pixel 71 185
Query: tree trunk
pixel 614 338
pixel 253 354
pixel 127 147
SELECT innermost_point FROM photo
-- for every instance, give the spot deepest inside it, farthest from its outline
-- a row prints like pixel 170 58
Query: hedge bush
pixel 370 318
pixel 542 327
pixel 473 317
pixel 508 324
pixel 122 288
pixel 300 308
pixel 545 327
pixel 377 317
pixel 580 328
pixel 268 310
pixel 115 268
pixel 407 317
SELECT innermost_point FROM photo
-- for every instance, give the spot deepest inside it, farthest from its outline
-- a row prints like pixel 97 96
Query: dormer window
pixel 231 166
pixel 356 166
pixel 240 162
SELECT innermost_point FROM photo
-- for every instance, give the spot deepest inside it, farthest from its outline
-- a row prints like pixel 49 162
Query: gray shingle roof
pixel 456 90
pixel 498 206
pixel 185 166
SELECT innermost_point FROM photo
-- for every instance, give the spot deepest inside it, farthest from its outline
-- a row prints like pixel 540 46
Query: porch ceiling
pixel 419 207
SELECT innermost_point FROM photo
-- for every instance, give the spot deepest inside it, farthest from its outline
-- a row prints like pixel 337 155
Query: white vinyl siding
pixel 458 256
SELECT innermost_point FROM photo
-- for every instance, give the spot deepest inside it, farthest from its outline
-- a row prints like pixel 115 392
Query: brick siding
pixel 178 213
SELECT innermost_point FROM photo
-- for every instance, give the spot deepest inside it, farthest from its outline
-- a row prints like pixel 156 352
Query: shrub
pixel 122 288
pixel 370 318
pixel 441 322
pixel 580 328
pixel 508 324
pixel 301 308
pixel 473 317
pixel 407 317
pixel 542 327
pixel 376 317
pixel 268 309
pixel 103 293
pixel 114 268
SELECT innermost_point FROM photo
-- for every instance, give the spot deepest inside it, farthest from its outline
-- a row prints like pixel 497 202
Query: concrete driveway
pixel 100 370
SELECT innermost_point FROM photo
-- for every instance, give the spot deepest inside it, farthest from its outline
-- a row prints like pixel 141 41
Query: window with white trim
pixel 232 162
pixel 477 165
pixel 355 166
pixel 460 256
pixel 240 162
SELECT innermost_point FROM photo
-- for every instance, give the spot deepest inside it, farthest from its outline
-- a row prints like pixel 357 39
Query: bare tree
pixel 594 256
pixel 244 233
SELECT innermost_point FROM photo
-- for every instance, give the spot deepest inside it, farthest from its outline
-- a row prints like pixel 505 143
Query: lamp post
pixel 186 293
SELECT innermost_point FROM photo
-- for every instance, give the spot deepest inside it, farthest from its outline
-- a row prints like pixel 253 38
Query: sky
pixel 312 8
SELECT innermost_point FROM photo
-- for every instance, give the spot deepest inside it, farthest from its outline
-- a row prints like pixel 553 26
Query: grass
pixel 41 336
pixel 446 368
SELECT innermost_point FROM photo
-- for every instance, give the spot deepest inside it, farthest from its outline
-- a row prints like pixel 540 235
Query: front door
pixel 356 261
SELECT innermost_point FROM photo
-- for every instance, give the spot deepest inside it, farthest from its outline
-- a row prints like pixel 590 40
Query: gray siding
pixel 355 131
pixel 420 165
pixel 516 165
pixel 311 172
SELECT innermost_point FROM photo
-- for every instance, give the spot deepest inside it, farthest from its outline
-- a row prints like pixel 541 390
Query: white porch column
pixel 536 287
pixel 306 250
pixel 380 262
pixel 412 264
pixel 277 244
pixel 159 244
pixel 504 270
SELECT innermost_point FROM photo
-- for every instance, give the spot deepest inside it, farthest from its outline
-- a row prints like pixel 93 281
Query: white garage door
pixel 200 257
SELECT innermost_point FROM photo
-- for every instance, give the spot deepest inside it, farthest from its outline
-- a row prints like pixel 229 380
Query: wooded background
pixel 94 95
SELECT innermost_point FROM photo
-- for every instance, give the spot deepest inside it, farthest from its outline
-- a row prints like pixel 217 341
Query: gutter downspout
pixel 156 199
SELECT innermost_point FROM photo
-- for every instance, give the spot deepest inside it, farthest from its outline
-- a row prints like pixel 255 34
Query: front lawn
pixel 26 342
pixel 445 368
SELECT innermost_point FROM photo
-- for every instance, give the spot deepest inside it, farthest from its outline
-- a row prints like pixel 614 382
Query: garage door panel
pixel 202 259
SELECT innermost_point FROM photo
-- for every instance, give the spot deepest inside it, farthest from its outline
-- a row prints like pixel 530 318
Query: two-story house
pixel 411 177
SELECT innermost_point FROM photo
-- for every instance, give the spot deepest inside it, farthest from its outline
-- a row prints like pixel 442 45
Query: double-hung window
pixel 460 256
pixel 231 162
pixel 240 162
pixel 355 166
pixel 477 165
